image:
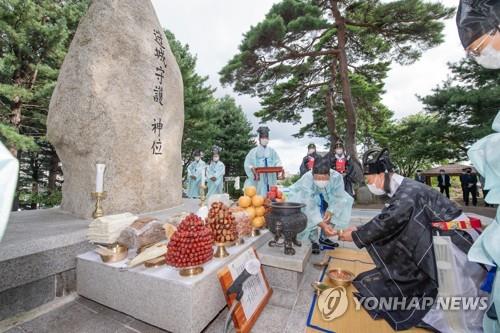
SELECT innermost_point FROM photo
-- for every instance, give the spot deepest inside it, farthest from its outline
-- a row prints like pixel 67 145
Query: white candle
pixel 99 178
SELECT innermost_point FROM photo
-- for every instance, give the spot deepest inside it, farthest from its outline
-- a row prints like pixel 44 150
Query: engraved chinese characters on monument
pixel 119 101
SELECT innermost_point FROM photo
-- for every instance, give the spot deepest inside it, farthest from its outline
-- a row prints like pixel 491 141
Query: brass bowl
pixel 120 252
pixel 340 277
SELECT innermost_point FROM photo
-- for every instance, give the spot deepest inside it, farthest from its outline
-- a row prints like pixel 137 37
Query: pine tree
pixel 35 36
pixel 235 136
pixel 315 49
pixel 464 106
pixel 199 110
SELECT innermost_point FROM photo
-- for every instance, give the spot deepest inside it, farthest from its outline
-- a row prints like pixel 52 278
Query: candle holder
pixel 202 195
pixel 98 196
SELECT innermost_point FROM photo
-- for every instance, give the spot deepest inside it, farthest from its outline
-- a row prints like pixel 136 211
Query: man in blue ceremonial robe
pixel 262 156
pixel 195 175
pixel 215 173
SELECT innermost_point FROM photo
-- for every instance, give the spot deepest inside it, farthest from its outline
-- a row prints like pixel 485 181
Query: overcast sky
pixel 214 29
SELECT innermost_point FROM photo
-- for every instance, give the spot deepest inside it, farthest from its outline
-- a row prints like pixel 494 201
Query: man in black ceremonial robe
pixel 400 242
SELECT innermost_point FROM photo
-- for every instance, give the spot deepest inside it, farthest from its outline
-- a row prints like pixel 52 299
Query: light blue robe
pixel 197 169
pixel 339 202
pixel 217 170
pixel 261 157
pixel 485 156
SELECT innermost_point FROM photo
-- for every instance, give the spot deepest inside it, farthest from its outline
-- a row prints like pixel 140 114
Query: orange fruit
pixel 250 191
pixel 244 201
pixel 251 212
pixel 260 211
pixel 258 222
pixel 257 201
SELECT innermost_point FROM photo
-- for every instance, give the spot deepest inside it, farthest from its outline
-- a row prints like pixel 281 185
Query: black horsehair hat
pixel 216 150
pixel 321 166
pixel 376 161
pixel 263 132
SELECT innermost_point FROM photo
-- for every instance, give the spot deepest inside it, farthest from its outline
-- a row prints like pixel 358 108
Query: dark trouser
pixel 445 189
pixel 463 193
pixel 473 191
pixel 348 186
pixel 485 193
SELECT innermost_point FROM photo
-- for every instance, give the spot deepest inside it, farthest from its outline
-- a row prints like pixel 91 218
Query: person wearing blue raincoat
pixel 328 205
pixel 215 174
pixel 262 156
pixel 485 156
pixel 196 175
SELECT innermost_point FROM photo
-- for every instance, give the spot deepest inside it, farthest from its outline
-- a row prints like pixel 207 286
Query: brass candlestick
pixel 202 195
pixel 98 196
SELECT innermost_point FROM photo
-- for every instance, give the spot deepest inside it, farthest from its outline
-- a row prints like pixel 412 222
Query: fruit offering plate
pixel 170 273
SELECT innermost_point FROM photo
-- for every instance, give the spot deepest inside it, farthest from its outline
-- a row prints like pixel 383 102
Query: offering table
pixel 159 296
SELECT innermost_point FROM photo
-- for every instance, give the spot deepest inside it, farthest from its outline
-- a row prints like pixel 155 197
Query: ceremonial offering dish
pixel 286 220
pixel 190 246
pixel 112 253
pixel 340 277
pixel 222 223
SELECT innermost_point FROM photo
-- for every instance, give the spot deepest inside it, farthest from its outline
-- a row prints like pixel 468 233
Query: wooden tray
pixel 280 173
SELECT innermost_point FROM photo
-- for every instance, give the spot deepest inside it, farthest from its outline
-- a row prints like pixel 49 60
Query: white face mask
pixel 339 151
pixel 311 151
pixel 489 57
pixel 264 142
pixel 321 183
pixel 375 190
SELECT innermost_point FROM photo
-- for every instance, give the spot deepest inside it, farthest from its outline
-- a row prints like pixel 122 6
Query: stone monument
pixel 119 101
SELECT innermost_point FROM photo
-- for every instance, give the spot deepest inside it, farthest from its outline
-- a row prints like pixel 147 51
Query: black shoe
pixel 328 242
pixel 315 248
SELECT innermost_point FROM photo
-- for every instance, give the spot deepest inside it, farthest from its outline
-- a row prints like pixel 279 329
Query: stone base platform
pixel 38 256
pixel 284 271
pixel 159 296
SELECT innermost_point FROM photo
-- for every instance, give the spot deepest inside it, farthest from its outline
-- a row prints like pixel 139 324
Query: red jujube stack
pixel 191 244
